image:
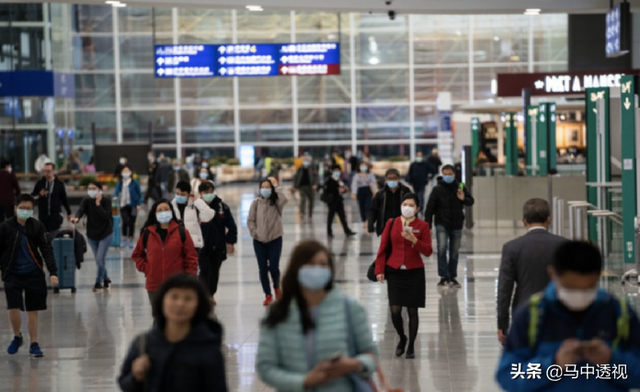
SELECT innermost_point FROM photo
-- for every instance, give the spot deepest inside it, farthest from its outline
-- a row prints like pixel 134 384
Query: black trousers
pixel 128 221
pixel 210 262
pixel 337 208
pixel 6 213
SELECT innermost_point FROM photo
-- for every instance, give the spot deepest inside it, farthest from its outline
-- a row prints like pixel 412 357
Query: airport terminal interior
pixel 525 99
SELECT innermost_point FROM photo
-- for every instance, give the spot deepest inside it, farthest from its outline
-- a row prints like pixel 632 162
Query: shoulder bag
pixel 371 272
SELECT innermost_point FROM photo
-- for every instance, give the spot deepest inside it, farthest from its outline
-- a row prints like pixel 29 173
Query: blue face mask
pixel 126 175
pixel 336 174
pixel 181 199
pixel 314 278
pixel 25 214
pixel 204 176
pixel 205 165
pixel 306 163
pixel 448 179
pixel 164 217
pixel 266 193
pixel 392 184
pixel 208 197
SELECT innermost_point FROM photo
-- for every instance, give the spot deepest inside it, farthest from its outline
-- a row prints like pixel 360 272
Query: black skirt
pixel 406 288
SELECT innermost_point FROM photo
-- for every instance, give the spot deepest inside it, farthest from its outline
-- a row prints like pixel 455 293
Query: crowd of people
pixel 550 309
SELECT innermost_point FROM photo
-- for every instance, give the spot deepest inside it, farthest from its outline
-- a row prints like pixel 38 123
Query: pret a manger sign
pixel 560 83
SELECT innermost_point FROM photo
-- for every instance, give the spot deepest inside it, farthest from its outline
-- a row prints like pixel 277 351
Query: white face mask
pixel 577 300
pixel 408 212
pixel 123 161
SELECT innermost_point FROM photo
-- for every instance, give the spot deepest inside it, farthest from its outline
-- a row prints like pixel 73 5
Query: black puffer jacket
pixel 378 216
pixel 37 240
pixel 195 364
pixel 446 207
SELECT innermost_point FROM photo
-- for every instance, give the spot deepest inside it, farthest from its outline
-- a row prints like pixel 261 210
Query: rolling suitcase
pixel 64 253
pixel 117 232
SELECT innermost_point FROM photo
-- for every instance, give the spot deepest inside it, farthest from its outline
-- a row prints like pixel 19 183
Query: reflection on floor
pixel 85 335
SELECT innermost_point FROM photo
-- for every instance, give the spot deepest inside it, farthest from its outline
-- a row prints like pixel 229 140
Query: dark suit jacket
pixel 524 263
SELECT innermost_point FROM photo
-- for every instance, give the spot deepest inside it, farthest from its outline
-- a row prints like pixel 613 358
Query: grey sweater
pixel 265 221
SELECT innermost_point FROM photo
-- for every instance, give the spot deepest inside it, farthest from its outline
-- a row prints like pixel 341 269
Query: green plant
pixel 400 158
pixel 233 162
pixel 288 161
pixel 86 180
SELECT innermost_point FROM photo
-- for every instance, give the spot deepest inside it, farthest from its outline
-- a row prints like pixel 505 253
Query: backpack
pixel 145 236
pixel 536 312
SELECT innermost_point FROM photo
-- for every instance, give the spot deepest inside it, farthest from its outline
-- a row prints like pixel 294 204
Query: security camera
pixel 392 15
pixel 388 2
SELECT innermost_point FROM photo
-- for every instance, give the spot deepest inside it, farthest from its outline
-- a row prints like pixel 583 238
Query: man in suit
pixel 525 261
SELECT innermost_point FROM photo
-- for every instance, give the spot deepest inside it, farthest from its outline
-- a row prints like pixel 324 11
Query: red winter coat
pixel 402 251
pixel 160 261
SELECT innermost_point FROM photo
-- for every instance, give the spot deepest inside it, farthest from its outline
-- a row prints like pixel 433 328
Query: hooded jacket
pixel 265 220
pixel 557 325
pixel 159 260
pixel 377 212
pixel 37 240
pixel 195 212
pixel 195 364
pixel 446 207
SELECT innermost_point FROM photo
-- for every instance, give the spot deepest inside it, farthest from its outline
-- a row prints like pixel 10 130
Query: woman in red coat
pixel 164 248
pixel 408 237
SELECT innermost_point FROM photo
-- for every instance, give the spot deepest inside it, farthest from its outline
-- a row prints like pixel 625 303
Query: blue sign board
pixel 232 60
pixel 37 84
pixel 445 120
pixel 185 61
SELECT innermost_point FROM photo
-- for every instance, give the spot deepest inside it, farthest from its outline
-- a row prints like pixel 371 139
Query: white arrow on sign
pixel 627 103
pixel 161 72
pixel 223 60
pixel 160 61
pixel 539 84
pixel 223 71
pixel 284 59
pixel 222 49
pixel 285 70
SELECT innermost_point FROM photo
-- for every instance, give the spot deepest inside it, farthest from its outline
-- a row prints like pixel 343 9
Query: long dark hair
pixel 303 253
pixel 188 282
pixel 273 199
pixel 152 220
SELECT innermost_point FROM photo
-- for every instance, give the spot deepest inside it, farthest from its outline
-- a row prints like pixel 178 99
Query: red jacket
pixel 160 261
pixel 402 251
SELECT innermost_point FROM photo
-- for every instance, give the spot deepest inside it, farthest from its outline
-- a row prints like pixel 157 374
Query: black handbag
pixel 371 272
pixel 326 197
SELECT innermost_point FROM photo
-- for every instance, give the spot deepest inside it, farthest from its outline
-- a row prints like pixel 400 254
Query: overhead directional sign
pixel 184 61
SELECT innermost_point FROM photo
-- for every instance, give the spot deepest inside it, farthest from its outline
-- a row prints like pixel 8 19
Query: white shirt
pixel 536 228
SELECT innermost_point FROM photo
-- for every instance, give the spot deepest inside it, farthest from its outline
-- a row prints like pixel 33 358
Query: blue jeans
pixel 268 255
pixel 100 249
pixel 448 239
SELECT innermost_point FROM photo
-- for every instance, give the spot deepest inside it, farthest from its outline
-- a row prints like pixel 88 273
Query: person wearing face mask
pixel 164 249
pixel 525 261
pixel 129 196
pixel 122 162
pixel 575 324
pixel 192 211
pixel 315 338
pixel 399 261
pixel 446 203
pixel 386 203
pixel 97 209
pixel 9 190
pixel 51 195
pixel 363 186
pixel 204 175
pixel 220 236
pixel 334 189
pixel 419 174
pixel 176 175
pixel 304 181
pixel 24 251
pixel 266 229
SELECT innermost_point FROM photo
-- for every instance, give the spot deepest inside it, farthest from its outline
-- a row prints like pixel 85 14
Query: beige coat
pixel 265 220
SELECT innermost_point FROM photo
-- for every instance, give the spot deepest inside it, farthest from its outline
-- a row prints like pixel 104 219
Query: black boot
pixel 401 346
pixel 411 352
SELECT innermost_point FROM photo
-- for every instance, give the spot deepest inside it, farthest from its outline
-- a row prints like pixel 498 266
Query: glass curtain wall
pixel 383 102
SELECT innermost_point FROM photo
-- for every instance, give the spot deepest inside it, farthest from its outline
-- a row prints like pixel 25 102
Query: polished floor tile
pixel 86 335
